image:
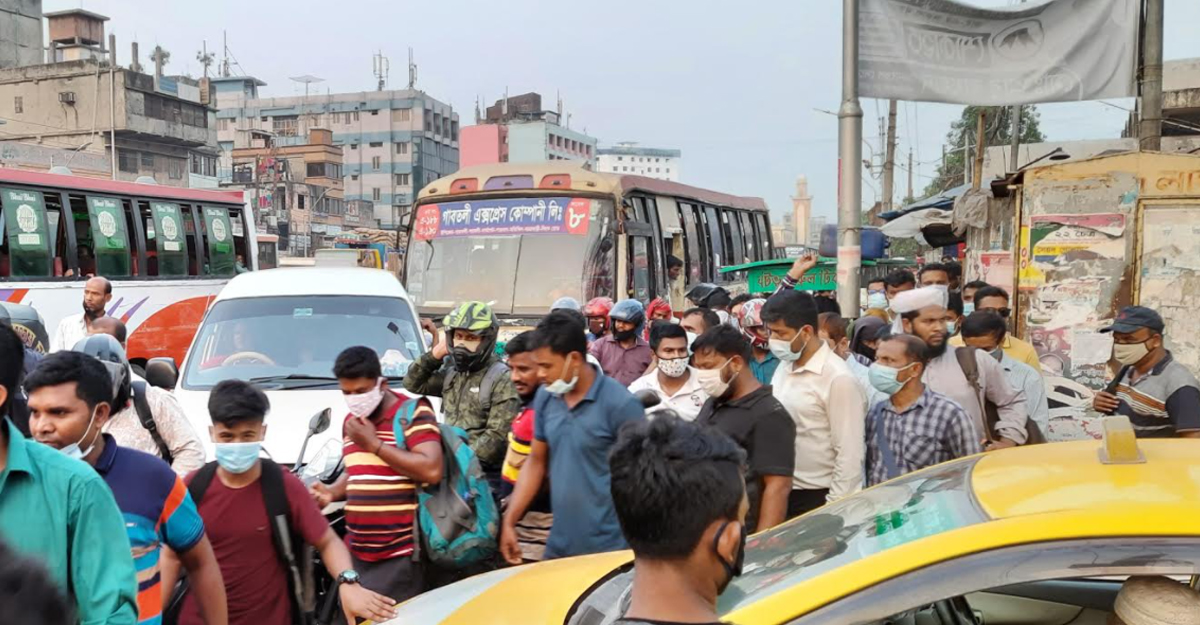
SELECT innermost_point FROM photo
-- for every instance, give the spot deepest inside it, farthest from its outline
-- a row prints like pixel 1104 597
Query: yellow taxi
pixel 1040 535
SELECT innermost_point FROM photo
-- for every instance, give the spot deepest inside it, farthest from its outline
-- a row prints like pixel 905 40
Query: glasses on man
pixel 1003 312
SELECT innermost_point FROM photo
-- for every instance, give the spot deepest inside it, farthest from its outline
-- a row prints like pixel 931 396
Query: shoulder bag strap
pixel 890 468
pixel 279 518
pixel 970 367
pixel 142 406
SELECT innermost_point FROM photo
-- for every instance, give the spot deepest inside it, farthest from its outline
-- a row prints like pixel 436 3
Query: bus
pixel 167 250
pixel 523 235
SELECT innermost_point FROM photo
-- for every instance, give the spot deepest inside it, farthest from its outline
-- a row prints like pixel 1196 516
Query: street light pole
pixel 849 254
pixel 1150 124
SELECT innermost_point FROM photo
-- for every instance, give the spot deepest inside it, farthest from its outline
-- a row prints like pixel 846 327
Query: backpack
pixel 496 371
pixel 286 541
pixel 457 518
pixel 970 369
pixel 142 406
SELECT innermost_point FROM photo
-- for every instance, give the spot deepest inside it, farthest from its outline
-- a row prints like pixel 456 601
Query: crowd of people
pixel 760 410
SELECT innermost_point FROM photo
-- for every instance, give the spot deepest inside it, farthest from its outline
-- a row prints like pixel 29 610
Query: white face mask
pixel 363 405
pixel 561 386
pixel 73 450
pixel 783 349
pixel 710 380
pixel 691 339
pixel 673 367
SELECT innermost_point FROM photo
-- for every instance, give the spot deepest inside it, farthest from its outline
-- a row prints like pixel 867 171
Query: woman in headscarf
pixel 866 329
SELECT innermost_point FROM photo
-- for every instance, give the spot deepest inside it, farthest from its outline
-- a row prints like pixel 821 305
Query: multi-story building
pixel 394 142
pixel 20 32
pixel 628 158
pixel 517 130
pixel 298 191
pixel 68 112
pixel 802 211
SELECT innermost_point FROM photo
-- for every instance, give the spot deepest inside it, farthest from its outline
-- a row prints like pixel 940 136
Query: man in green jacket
pixel 476 390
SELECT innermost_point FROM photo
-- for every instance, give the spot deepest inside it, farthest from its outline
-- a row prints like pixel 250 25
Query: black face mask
pixel 732 569
pixel 623 335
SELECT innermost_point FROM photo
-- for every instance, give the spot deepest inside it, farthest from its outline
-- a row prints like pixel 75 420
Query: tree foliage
pixel 997 131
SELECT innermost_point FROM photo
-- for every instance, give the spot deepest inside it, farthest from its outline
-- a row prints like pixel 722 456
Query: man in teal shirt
pixel 59 510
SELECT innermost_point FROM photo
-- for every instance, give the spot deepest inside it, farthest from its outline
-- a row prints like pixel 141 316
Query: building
pixel 518 130
pixel 20 33
pixel 813 238
pixel 628 158
pixel 394 142
pixel 802 211
pixel 70 111
pixel 298 191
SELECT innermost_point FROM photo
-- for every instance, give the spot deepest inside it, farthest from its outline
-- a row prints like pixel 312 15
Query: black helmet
pixel 702 294
pixel 109 352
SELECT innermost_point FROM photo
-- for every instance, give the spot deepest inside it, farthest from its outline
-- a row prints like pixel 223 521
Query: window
pixel 353 146
pixel 18 104
pixel 376 162
pixel 620 158
pixel 223 124
pixel 203 164
pixel 403 180
pixel 375 112
pixel 324 170
pixel 354 177
pixel 175 168
pixel 402 147
pixel 402 115
pixel 127 161
pixel 376 195
pixel 147 161
pixel 285 126
pixel 300 202
pixel 376 144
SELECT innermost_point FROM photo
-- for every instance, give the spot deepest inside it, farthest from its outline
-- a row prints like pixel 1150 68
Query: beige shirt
pixel 825 401
pixel 70 331
pixel 173 426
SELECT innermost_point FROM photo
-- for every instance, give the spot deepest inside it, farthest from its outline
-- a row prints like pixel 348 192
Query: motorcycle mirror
pixel 319 422
pixel 648 398
pixel 162 372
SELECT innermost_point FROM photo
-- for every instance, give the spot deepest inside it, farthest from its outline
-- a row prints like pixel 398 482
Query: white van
pixel 282 329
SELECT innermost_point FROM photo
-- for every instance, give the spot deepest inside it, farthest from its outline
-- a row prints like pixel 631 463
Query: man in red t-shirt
pixel 382 474
pixel 235 519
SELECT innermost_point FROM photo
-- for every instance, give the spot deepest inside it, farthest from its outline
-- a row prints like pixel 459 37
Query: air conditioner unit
pixel 66 97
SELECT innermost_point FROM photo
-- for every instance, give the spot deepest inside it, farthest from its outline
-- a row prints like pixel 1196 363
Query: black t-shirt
pixel 762 427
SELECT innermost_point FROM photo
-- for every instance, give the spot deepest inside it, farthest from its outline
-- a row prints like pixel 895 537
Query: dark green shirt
pixel 60 512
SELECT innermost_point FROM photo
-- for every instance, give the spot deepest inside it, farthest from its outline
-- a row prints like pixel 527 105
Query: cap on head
pixel 1154 600
pixel 1133 318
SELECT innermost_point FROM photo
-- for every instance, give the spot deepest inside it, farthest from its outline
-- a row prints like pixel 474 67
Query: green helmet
pixel 474 317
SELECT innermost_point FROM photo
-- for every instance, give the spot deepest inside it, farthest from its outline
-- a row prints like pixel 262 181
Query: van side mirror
pixel 162 372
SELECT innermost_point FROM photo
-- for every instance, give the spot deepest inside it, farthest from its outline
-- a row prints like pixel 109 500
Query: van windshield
pixel 291 342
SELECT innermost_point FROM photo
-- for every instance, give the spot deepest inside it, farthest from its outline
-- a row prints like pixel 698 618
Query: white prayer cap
pixel 1157 601
pixel 916 299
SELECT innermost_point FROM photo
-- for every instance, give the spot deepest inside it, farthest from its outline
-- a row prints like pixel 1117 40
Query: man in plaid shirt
pixel 916 427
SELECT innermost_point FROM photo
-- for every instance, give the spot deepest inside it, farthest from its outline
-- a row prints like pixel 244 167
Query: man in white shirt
pixel 672 379
pixel 97 293
pixel 824 399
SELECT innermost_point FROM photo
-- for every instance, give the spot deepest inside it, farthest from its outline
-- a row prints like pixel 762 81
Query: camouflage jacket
pixel 462 406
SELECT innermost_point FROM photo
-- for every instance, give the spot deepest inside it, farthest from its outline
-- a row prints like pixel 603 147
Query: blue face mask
pixel 238 457
pixel 883 378
pixel 968 308
pixel 876 299
pixel 951 328
pixel 74 450
pixel 561 386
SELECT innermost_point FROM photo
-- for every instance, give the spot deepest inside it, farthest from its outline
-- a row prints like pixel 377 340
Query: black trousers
pixel 803 501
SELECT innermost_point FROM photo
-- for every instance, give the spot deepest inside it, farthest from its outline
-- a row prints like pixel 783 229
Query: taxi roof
pixel 313 281
pixel 1042 479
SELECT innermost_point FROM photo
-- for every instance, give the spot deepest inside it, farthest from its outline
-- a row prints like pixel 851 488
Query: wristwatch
pixel 349 576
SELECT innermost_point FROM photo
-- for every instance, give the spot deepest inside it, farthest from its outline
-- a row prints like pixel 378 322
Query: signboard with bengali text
pixel 500 217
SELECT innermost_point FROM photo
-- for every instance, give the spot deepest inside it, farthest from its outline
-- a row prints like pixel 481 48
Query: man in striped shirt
pixel 382 474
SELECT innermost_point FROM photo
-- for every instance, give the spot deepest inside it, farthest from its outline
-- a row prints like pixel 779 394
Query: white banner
pixel 947 51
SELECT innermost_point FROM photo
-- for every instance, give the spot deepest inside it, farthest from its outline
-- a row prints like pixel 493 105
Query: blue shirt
pixel 765 370
pixel 579 439
pixel 158 511
pixel 60 512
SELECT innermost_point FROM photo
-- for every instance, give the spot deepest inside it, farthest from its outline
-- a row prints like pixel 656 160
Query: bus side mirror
pixel 606 245
pixel 162 372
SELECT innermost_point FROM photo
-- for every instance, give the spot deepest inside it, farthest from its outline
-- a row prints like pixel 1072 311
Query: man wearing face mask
pixel 477 393
pixel 672 380
pixel 623 355
pixel 58 510
pixel 747 411
pixel 762 362
pixel 579 411
pixel 1158 393
pixel 914 427
pixel 825 402
pixel 985 331
pixel 232 494
pixel 681 501
pixel 157 508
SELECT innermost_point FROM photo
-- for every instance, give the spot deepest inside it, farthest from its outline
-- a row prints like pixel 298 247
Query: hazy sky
pixel 732 85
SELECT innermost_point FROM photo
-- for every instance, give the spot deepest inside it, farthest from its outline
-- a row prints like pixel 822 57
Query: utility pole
pixel 977 177
pixel 966 148
pixel 889 158
pixel 1015 148
pixel 1150 124
pixel 910 173
pixel 849 258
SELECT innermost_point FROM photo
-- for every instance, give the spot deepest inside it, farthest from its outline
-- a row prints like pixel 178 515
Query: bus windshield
pixel 520 254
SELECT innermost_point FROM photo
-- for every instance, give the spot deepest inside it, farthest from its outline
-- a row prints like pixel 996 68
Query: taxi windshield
pixel 497 254
pixel 292 341
pixel 903 510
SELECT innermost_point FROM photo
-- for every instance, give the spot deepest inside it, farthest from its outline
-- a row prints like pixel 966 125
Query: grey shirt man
pixel 944 375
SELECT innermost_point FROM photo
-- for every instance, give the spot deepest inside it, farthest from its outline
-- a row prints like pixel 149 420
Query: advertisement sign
pixel 220 240
pixel 25 226
pixel 169 239
pixel 110 239
pixel 950 51
pixel 555 215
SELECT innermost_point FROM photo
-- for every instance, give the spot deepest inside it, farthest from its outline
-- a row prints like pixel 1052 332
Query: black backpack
pixel 287 543
pixel 142 406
